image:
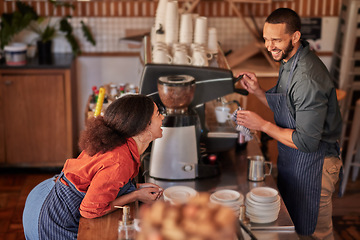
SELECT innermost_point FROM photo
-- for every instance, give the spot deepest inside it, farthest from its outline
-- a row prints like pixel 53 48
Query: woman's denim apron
pixel 52 209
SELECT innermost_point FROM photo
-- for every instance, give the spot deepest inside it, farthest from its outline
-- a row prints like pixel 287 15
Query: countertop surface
pixel 233 176
pixel 233 168
pixel 59 61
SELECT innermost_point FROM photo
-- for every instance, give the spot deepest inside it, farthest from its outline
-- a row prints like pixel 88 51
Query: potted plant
pixel 25 17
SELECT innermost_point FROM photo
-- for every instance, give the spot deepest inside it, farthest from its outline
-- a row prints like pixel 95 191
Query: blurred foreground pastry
pixel 199 219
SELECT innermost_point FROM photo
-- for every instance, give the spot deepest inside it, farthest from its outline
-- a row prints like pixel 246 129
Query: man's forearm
pixel 283 135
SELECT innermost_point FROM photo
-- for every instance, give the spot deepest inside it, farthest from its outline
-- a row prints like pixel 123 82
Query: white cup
pixel 137 224
pixel 160 14
pixel 179 47
pixel 160 45
pixel 222 114
pixel 186 29
pixel 161 56
pixel 172 22
pixel 201 30
pixel 212 41
pixel 200 47
pixel 180 57
pixel 199 58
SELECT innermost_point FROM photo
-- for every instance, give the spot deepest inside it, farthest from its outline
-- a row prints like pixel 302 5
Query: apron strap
pixel 71 185
pixel 293 66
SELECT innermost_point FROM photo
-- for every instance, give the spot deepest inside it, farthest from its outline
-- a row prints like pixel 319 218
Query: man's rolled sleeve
pixel 310 114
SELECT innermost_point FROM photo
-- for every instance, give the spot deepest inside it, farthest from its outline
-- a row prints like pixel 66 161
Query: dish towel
pixel 243 130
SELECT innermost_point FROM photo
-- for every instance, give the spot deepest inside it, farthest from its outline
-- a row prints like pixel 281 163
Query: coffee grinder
pixel 177 151
pixel 183 91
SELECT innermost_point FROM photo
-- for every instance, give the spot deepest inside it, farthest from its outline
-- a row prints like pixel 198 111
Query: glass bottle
pixel 126 230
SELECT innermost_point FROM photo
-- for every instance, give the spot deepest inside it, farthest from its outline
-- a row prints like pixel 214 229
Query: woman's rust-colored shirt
pixel 102 176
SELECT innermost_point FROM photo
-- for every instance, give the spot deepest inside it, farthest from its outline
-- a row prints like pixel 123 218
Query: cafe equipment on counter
pixel 181 152
pixel 256 168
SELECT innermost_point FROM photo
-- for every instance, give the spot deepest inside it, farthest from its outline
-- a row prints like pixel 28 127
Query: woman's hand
pixel 148 192
pixel 145 185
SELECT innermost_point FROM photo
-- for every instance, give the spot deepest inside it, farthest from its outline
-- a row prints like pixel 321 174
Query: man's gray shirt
pixel 312 100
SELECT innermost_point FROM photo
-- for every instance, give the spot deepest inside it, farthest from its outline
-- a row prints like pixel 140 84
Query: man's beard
pixel 287 50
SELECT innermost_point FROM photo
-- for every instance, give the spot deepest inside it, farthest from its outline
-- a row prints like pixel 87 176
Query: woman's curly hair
pixel 124 118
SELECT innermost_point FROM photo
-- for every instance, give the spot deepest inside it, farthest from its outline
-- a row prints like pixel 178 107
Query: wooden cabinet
pixel 37 127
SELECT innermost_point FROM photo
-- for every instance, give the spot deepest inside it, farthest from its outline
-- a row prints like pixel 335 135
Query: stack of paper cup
pixel 160 15
pixel 212 41
pixel 229 198
pixel 186 29
pixel 201 30
pixel 172 23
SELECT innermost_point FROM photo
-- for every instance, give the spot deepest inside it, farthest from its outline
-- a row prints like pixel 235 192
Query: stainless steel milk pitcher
pixel 257 168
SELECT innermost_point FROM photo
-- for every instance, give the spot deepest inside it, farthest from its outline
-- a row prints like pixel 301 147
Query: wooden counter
pixel 233 176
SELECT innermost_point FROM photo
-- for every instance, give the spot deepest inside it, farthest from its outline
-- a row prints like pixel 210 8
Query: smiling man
pixel 308 125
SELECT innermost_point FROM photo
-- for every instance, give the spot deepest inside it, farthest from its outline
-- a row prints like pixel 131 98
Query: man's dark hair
pixel 287 16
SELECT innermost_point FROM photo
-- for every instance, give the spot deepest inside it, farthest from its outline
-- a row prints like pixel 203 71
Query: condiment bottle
pixel 126 230
pixel 113 91
pixel 122 88
pixel 99 102
pixel 131 88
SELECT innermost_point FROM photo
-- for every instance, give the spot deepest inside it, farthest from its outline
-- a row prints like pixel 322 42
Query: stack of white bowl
pixel 262 205
pixel 229 198
pixel 179 194
pixel 172 23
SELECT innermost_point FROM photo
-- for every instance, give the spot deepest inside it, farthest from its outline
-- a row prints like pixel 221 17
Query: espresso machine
pixel 182 92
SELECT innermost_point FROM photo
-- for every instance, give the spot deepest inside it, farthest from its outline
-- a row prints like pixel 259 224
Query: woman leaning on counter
pixel 102 176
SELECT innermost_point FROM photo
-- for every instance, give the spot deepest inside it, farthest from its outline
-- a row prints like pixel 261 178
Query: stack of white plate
pixel 228 198
pixel 179 194
pixel 262 205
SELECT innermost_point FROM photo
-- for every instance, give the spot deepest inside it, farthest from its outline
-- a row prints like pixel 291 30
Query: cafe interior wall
pixel 114 61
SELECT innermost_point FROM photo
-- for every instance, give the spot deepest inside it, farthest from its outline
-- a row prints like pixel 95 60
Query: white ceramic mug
pixel 181 57
pixel 200 58
pixel 200 47
pixel 137 224
pixel 179 46
pixel 222 114
pixel 161 56
pixel 160 45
